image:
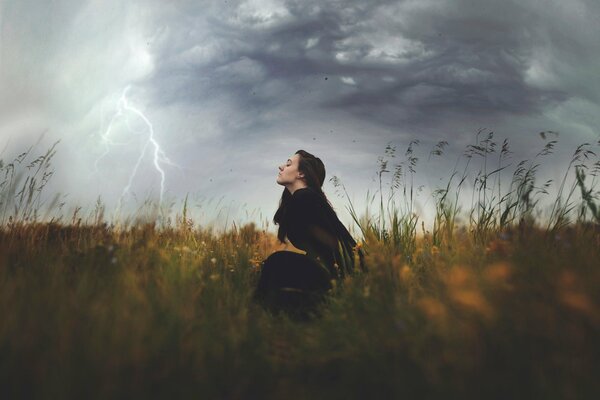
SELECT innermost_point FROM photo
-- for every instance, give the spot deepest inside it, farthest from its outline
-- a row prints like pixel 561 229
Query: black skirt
pixel 292 283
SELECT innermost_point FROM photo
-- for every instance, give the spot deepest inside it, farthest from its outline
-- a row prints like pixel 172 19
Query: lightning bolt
pixel 125 109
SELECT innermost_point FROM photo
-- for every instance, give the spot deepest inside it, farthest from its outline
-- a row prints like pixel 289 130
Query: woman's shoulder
pixel 306 195
pixel 306 201
pixel 309 204
pixel 305 191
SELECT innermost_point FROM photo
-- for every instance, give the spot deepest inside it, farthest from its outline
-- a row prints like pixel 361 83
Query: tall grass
pixel 22 182
pixel 396 222
pixel 497 203
pixel 506 310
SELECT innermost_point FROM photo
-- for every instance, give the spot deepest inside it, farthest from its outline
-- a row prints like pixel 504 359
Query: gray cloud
pixel 233 87
pixel 405 62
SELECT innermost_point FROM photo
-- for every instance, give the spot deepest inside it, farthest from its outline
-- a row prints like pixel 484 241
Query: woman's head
pixel 301 170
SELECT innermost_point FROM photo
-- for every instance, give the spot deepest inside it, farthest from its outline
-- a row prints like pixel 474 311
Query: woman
pixel 321 249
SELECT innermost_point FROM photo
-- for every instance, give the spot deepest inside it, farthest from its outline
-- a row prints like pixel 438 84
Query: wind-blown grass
pixel 508 309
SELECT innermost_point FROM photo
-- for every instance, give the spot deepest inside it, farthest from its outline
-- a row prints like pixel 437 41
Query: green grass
pixel 509 309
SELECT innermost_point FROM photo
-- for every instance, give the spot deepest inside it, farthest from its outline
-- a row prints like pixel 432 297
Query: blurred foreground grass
pixel 91 311
pixel 497 301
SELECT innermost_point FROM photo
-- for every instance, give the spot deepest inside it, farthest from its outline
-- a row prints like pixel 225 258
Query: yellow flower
pixel 405 273
pixel 498 273
pixel 473 300
pixel 433 308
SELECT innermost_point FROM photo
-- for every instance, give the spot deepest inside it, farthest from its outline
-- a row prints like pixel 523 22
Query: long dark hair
pixel 314 175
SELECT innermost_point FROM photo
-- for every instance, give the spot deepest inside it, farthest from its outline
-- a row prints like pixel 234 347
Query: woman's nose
pixel 281 167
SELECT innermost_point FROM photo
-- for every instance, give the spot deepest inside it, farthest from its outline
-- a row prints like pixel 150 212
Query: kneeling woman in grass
pixel 318 248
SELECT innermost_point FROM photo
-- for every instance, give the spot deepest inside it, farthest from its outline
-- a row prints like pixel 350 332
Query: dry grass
pixel 506 310
pixel 89 311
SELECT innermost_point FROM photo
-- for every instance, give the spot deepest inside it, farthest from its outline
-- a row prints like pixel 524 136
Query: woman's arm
pixel 288 246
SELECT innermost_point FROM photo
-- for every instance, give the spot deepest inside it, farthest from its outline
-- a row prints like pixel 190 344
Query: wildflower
pixel 358 246
pixel 256 262
pixel 570 294
pixel 405 273
pixel 433 308
pixel 497 273
pixel 472 300
pixel 459 277
pixel 213 260
pixel 417 253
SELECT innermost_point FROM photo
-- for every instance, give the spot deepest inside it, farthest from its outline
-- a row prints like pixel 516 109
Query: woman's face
pixel 288 171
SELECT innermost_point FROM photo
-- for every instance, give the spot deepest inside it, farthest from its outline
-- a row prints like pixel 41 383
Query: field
pixel 501 305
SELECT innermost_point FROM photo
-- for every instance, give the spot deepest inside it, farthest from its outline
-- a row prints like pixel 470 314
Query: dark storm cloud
pixel 389 61
pixel 233 86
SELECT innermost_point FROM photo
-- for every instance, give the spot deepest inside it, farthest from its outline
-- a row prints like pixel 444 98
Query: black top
pixel 312 226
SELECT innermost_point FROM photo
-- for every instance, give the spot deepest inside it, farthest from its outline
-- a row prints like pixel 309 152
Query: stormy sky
pixel 233 88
